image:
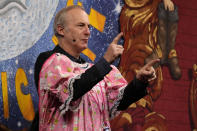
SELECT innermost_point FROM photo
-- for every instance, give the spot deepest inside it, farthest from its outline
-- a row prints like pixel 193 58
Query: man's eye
pixel 81 25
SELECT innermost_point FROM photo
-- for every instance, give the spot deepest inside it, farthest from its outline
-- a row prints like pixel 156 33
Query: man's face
pixel 77 29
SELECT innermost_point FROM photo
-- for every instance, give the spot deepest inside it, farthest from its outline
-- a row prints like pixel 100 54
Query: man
pixel 74 94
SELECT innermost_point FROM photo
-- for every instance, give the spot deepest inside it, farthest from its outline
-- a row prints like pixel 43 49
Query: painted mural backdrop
pixel 26 30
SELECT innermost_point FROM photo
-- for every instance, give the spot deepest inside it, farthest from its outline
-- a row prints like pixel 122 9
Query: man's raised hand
pixel 114 50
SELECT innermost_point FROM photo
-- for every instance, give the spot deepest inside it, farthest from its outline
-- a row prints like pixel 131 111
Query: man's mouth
pixel 85 40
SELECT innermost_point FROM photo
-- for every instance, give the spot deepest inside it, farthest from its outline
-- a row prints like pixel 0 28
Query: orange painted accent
pixel 89 53
pixel 79 3
pixel 24 101
pixel 55 40
pixel 69 2
pixel 97 20
pixel 5 94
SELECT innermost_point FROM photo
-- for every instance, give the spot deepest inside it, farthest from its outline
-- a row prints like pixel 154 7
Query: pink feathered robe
pixel 91 112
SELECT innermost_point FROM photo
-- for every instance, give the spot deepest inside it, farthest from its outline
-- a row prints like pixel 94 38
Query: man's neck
pixel 69 50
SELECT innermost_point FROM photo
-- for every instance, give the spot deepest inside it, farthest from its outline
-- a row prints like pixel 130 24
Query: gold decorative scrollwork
pixel 193 98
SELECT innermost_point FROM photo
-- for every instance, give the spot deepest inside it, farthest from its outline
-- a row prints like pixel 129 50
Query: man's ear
pixel 60 30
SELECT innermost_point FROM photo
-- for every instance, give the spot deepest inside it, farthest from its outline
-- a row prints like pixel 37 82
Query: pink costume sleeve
pixel 114 90
pixel 55 85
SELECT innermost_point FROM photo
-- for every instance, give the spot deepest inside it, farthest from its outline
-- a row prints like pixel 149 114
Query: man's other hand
pixel 147 72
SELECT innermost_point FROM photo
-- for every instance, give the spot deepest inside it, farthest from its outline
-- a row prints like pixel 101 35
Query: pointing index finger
pixel 117 38
pixel 152 62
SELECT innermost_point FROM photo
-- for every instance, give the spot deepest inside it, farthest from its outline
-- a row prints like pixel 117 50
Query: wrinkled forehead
pixel 76 15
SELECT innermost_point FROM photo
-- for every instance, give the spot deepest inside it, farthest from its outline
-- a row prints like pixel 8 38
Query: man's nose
pixel 87 31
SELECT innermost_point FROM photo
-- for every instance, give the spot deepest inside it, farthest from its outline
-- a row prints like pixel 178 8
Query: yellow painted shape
pixel 142 102
pixel 152 128
pixel 127 116
pixel 79 3
pixel 89 53
pixel 69 2
pixel 97 20
pixel 55 40
pixel 5 94
pixel 24 101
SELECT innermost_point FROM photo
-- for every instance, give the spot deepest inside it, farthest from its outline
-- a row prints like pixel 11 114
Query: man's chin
pixel 84 49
